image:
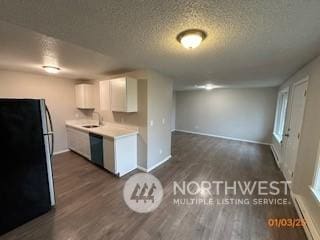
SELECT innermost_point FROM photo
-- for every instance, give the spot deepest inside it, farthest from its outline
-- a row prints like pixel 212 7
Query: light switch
pixel 163 121
pixel 151 123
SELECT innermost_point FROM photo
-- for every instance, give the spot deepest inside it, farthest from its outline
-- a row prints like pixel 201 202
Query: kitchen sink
pixel 90 126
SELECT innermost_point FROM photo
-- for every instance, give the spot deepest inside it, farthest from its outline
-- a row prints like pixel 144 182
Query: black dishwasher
pixel 96 147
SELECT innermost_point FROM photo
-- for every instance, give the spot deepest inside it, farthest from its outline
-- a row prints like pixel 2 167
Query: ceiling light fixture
pixel 207 86
pixel 191 38
pixel 51 69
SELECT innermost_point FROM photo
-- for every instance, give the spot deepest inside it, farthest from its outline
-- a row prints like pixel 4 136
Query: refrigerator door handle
pixel 48 143
pixel 50 137
pixel 50 134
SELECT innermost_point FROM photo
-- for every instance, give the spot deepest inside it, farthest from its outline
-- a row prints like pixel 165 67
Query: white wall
pixel 310 138
pixel 59 95
pixel 173 112
pixel 246 114
pixel 160 90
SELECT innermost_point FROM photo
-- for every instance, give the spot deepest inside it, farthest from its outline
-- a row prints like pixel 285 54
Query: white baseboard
pixel 126 172
pixel 154 166
pixel 276 155
pixel 310 228
pixel 59 152
pixel 142 169
pixel 223 137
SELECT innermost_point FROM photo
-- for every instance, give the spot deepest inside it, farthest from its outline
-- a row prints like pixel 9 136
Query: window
pixel 281 114
pixel 316 182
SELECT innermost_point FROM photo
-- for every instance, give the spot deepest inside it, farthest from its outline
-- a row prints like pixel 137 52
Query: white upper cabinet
pixel 84 96
pixel 124 94
pixel 104 87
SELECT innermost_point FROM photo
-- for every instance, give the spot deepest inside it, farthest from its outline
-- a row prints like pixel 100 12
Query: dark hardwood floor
pixel 90 203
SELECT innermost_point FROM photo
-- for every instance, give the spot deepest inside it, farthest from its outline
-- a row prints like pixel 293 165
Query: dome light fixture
pixel 191 38
pixel 208 86
pixel 51 69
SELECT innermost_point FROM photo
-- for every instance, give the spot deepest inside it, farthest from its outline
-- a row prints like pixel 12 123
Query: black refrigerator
pixel 26 147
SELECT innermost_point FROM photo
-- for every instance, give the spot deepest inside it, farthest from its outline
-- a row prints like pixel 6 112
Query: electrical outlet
pixel 151 123
pixel 163 121
pixel 196 127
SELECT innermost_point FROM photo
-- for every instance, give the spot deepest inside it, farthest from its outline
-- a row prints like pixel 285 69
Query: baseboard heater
pixel 309 228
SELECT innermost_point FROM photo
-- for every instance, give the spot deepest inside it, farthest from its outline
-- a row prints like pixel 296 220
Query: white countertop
pixel 110 130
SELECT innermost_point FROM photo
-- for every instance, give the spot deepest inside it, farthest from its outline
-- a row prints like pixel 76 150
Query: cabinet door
pixel 84 96
pixel 108 155
pixel 104 95
pixel 118 95
pixel 79 142
pixel 84 144
pixel 125 154
pixel 71 135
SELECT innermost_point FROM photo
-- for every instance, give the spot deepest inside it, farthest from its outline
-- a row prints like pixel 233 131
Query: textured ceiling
pixel 25 50
pixel 250 42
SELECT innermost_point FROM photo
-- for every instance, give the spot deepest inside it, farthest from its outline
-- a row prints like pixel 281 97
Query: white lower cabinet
pixel 79 142
pixel 108 154
pixel 119 154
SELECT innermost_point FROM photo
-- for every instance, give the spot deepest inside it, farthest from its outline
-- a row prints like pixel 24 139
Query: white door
pixel 293 133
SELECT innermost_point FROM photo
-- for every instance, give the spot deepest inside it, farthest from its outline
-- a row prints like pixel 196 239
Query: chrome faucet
pixel 100 120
